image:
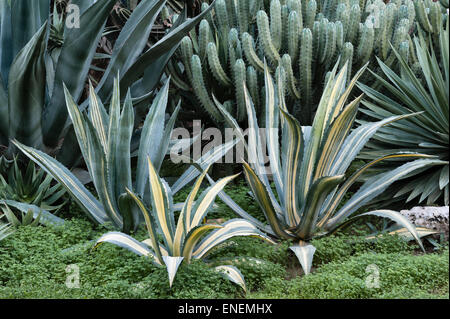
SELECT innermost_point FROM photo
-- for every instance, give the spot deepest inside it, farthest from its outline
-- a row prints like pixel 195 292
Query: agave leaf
pixel 150 224
pixel 334 201
pixel 232 274
pixel 172 264
pixel 406 234
pixel 130 216
pixel 162 206
pixel 74 187
pixel 5 231
pixel 272 125
pixel 99 173
pixel 193 237
pixel 98 116
pixel 336 134
pixel 27 74
pixel 263 199
pixel 398 218
pixel 305 253
pixel 356 141
pixel 186 216
pixel 130 42
pixel 206 200
pixel 332 91
pixel 319 191
pixel 10 216
pixel 122 148
pixel 6 51
pixel 4 114
pixel 242 213
pixel 27 17
pixel 152 130
pixel 230 229
pixel 127 242
pixel 73 66
pixel 291 168
pixel 375 186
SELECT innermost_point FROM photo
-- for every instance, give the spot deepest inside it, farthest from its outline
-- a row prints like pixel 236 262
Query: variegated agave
pixel 105 140
pixel 188 238
pixel 310 164
pixel 105 143
pixel 428 132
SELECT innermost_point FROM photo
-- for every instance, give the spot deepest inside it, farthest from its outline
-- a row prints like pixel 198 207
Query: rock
pixel 435 218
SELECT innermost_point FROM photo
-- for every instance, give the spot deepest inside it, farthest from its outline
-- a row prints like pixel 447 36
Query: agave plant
pixel 35 187
pixel 428 132
pixel 188 238
pixel 309 166
pixel 105 142
pixel 27 219
pixel 39 118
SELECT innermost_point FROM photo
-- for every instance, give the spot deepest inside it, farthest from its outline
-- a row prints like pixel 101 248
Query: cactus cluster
pixel 300 39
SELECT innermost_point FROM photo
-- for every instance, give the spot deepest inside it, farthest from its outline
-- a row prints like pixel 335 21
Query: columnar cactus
pixel 299 39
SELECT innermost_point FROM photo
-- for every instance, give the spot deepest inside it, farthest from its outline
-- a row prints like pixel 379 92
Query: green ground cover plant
pixel 33 264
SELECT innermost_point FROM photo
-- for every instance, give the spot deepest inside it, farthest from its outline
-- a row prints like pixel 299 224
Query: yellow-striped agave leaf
pixel 162 249
pixel 187 211
pixel 394 216
pixel 172 264
pixel 127 242
pixel 184 220
pixel 314 200
pixel 263 199
pixel 241 212
pixel 331 101
pixel 230 229
pixel 338 131
pixel 149 223
pixel 206 200
pixel 406 234
pixel 305 254
pixel 193 237
pixel 162 206
pixel 72 185
pixel 330 95
pixel 375 185
pixel 346 94
pixel 356 141
pixel 291 169
pixel 232 274
pixel 334 201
